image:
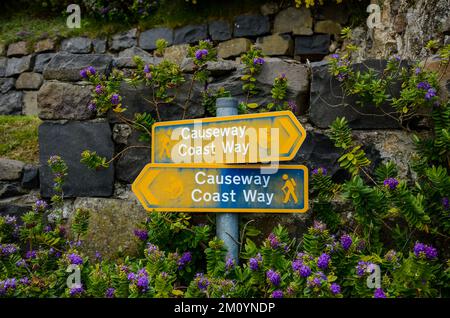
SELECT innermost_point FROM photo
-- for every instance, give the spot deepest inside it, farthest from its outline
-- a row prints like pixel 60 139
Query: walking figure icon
pixel 289 189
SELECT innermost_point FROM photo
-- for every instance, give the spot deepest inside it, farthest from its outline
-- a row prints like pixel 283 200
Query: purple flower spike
pixel 323 261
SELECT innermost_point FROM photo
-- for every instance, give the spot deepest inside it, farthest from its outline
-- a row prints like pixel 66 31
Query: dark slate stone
pixel 6 84
pixel 251 25
pixel 3 63
pixel 124 40
pixel 326 102
pixel 190 34
pixel 41 61
pixel 194 109
pixel 99 46
pixel 8 190
pixel 147 39
pixel 220 30
pixel 66 66
pixel 11 103
pixel 318 151
pixel 312 47
pixel 134 99
pixel 78 45
pixel 69 140
pixel 30 177
pixel 131 163
pixel 14 210
pixel 18 65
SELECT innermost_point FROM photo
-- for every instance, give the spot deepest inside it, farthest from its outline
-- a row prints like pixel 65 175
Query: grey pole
pixel 227 224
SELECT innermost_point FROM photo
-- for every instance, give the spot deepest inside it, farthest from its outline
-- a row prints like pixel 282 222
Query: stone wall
pixel 45 81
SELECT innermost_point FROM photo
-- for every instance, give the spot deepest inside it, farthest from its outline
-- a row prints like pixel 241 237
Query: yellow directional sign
pixel 262 137
pixel 222 188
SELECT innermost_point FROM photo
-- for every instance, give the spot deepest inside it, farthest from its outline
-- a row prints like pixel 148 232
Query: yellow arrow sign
pixel 262 137
pixel 222 188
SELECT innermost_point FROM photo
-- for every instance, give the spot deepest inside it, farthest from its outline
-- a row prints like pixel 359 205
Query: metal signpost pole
pixel 227 224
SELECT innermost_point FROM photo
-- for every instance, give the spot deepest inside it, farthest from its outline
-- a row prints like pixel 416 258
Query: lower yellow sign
pixel 222 188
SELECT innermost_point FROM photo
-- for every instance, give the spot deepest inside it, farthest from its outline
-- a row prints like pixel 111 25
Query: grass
pixel 25 26
pixel 19 138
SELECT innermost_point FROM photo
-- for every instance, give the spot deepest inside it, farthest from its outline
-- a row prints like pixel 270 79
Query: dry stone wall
pixel 45 81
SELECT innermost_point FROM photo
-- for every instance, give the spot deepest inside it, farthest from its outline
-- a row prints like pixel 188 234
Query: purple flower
pixel 297 264
pixel 99 89
pixel 184 259
pixel 40 206
pixel 151 248
pixel 88 71
pixel 424 85
pixel 115 99
pixel 110 292
pixel 430 94
pixel 379 293
pixel 202 281
pixel 131 276
pixel 305 271
pixel 425 251
pixel 7 285
pixel 21 263
pixel 76 290
pixel 323 261
pixel 417 71
pixel 273 240
pixel 445 203
pixel 321 170
pixel 258 61
pixel 92 107
pixel 142 282
pixel 7 249
pixel 98 256
pixel 392 183
pixel 364 267
pixel 335 56
pixel 31 254
pixel 200 54
pixel 146 69
pixel 273 277
pixel 83 73
pixel 141 234
pixel 346 241
pixel 292 106
pixel 335 288
pixel 277 294
pixel 75 259
pixel 390 256
pixel 319 226
pixel 254 264
pixel 91 70
pixel 12 219
pixel 229 264
pixel 24 281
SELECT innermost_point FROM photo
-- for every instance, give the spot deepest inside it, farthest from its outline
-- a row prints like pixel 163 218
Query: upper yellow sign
pixel 263 137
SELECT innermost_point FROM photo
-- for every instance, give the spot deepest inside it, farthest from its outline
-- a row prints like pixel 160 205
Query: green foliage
pixel 341 133
pixel 143 122
pixel 93 161
pixel 253 61
pixel 161 45
pixel 354 159
pixel 80 223
pixel 209 99
pixel 215 256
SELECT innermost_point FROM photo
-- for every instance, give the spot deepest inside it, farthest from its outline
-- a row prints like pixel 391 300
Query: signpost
pixel 252 138
pixel 222 188
pixel 194 167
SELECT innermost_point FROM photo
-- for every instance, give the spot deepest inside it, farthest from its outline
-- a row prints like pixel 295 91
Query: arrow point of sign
pixel 296 135
pixel 141 187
